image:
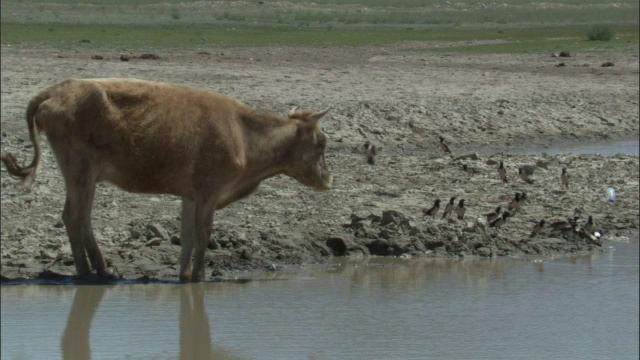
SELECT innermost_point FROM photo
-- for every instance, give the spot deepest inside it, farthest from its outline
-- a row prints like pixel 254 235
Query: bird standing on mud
pixel 449 207
pixel 515 203
pixel 589 226
pixel 537 228
pixel 493 215
pixel 500 221
pixel 502 172
pixel 460 210
pixel 444 146
pixel 564 178
pixel 525 172
pixel 523 198
pixel 592 239
pixel 433 210
pixel 371 152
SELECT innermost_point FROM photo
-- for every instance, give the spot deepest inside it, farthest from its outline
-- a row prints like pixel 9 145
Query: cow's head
pixel 307 162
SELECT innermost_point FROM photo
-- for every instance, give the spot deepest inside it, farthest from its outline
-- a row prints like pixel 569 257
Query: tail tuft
pixel 26 173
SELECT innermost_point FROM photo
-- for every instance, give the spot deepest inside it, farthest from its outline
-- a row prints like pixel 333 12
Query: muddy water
pixel 584 307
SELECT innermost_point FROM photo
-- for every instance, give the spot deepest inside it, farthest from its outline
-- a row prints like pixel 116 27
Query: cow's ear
pixel 317 116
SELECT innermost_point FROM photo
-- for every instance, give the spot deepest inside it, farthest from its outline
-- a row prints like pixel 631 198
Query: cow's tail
pixel 27 173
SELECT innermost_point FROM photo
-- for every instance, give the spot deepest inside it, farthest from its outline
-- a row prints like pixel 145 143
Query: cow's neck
pixel 267 148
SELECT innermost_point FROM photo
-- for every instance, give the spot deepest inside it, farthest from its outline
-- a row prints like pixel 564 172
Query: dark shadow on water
pixel 52 278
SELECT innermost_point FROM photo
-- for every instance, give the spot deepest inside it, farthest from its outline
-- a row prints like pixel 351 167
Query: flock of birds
pixel 496 218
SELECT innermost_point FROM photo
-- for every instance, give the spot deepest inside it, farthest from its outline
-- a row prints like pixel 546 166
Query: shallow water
pixel 584 307
pixel 602 147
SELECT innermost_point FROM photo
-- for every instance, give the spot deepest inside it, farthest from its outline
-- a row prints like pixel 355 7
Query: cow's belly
pixel 141 181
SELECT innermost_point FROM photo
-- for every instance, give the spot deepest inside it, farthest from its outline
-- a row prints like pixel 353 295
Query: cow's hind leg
pixel 80 180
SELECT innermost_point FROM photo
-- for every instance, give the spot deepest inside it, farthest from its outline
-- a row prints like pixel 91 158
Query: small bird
pixel 433 210
pixel 502 172
pixel 564 178
pixel 589 226
pixel 499 221
pixel 537 228
pixel 523 198
pixel 515 203
pixel 470 171
pixel 444 146
pixel 371 152
pixel 460 210
pixel 493 215
pixel 525 172
pixel 449 207
pixel 593 239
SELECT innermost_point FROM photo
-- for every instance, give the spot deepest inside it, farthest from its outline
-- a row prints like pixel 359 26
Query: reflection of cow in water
pixel 151 137
pixel 195 334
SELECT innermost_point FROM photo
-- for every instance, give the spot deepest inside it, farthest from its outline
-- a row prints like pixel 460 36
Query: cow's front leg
pixel 203 220
pixel 187 225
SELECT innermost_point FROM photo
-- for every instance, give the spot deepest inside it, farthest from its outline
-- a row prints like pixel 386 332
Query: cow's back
pixel 146 136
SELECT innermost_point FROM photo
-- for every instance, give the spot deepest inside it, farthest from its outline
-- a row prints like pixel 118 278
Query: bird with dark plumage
pixel 523 198
pixel 444 146
pixel 493 215
pixel 592 238
pixel 515 203
pixel 588 227
pixel 433 210
pixel 502 172
pixel 460 210
pixel 564 178
pixel 536 229
pixel 500 221
pixel 525 172
pixel 370 151
pixel 449 207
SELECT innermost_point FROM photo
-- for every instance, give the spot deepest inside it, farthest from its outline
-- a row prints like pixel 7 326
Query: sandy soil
pixel 399 98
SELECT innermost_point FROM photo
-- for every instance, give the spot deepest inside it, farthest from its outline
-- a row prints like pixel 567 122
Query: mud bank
pixel 373 210
pixel 399 102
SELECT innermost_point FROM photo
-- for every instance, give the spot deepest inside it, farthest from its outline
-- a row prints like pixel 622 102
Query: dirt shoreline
pixel 398 99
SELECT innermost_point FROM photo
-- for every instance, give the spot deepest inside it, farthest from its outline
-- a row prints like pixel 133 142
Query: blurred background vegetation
pixel 515 25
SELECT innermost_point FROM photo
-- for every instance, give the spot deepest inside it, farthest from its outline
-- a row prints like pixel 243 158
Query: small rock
pixel 46 254
pixel 472 156
pixel 607 64
pixel 149 57
pixel 125 57
pixel 154 242
pixel 159 231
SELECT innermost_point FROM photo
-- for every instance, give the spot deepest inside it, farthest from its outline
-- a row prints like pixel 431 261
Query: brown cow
pixel 152 137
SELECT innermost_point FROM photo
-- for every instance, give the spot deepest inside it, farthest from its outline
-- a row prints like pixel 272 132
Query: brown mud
pixel 397 98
